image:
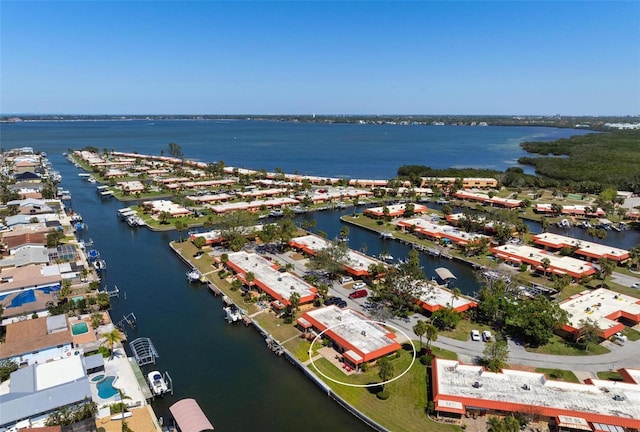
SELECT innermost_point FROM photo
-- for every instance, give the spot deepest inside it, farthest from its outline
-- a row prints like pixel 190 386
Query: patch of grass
pixel 300 348
pixel 276 327
pixel 462 331
pixel 559 374
pixel 610 375
pixel 443 353
pixel 559 346
pixel 631 334
pixel 405 408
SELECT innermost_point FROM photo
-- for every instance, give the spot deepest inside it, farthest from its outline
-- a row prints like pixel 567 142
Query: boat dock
pixel 142 382
pixel 124 213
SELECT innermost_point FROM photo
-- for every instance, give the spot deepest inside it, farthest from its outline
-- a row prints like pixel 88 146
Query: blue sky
pixel 360 57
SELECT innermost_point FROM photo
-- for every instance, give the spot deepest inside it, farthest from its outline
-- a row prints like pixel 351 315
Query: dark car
pixel 333 300
pixel 341 304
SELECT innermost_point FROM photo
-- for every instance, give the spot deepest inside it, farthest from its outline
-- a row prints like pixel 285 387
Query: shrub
pixel 425 359
pixel 365 367
pixel 383 395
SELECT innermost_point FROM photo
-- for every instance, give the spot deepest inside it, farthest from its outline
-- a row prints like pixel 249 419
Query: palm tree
pixel 455 294
pixel 111 339
pixel 606 268
pixel 431 334
pixel 420 329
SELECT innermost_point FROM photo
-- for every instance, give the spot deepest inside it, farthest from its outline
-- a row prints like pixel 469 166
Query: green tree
pixel 589 333
pixel 431 334
pixel 606 269
pixel 164 216
pixel 294 299
pixel 446 318
pixel 496 354
pixel 545 263
pixel 180 226
pixel 535 320
pixel 420 328
pixel 111 339
pixel 175 150
pixel 7 367
pixel 385 371
pixel 199 242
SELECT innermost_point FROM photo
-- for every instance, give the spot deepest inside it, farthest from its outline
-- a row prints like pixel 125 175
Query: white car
pixel 475 335
pixel 486 336
pixel 359 285
pixel 636 285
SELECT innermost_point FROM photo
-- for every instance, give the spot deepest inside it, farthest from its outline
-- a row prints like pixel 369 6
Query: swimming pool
pixel 79 328
pixel 106 388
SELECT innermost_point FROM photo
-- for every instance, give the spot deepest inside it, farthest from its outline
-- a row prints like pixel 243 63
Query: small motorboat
pixel 157 383
pixel 195 276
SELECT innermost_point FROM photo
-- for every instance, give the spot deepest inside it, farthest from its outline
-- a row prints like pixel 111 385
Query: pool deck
pixel 121 367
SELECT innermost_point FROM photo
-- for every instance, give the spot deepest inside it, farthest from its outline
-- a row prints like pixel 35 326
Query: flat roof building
pixel 356 263
pixel 358 338
pixel 396 210
pixel 604 308
pixel 582 247
pixel 434 231
pixel 484 198
pixel 518 254
pixel 433 297
pixel 278 285
pixel 459 389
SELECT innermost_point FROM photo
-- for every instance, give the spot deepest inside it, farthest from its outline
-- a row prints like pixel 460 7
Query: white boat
pixel 232 314
pixel 195 276
pixel 386 235
pixel 276 213
pixel 386 257
pixel 100 265
pixel 157 383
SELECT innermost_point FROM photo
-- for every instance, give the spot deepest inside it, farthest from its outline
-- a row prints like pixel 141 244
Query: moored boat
pixel 157 383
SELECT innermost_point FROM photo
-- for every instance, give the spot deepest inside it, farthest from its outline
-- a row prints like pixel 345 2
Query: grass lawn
pixel 405 408
pixel 631 334
pixel 559 346
pixel 610 375
pixel 462 331
pixel 276 327
pixel 559 374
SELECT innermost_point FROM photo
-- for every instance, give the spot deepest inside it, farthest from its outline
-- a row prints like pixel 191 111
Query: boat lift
pixel 143 351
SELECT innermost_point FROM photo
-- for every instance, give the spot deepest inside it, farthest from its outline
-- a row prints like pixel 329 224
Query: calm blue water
pixel 332 150
pixel 239 383
pixel 106 389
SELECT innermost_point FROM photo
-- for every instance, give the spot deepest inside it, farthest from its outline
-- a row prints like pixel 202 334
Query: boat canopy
pixel 143 351
pixel 445 273
pixel 189 416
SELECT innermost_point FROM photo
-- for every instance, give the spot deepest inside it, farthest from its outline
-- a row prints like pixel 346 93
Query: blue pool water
pixel 98 378
pixel 79 328
pixel 22 298
pixel 106 389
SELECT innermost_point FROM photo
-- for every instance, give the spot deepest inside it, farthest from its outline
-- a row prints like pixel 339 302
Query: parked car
pixel 486 336
pixel 346 279
pixel 359 285
pixel 342 304
pixel 333 300
pixel 636 285
pixel 358 294
pixel 620 337
pixel 475 335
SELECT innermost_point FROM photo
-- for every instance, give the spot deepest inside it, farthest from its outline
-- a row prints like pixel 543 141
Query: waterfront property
pixel 38 389
pixel 571 210
pixel 519 254
pixel 583 248
pixel 597 405
pixel 607 309
pixel 486 199
pixel 433 297
pixel 37 340
pixel 467 182
pixel 279 285
pixel 359 339
pixel 421 227
pixel 356 263
pixel 189 417
pixel 396 210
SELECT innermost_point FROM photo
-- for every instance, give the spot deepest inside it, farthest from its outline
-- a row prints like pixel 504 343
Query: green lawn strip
pixel 443 353
pixel 405 408
pixel 610 375
pixel 559 374
pixel 559 346
pixel 631 334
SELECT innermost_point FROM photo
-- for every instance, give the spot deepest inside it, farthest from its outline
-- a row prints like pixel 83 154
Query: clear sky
pixel 359 57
